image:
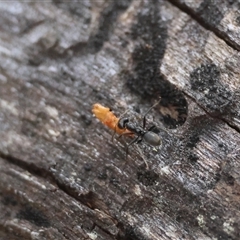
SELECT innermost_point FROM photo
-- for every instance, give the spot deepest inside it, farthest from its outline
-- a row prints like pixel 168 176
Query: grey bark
pixel 61 176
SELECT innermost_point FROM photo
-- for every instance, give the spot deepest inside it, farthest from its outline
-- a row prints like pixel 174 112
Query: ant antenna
pixel 141 153
pixel 146 113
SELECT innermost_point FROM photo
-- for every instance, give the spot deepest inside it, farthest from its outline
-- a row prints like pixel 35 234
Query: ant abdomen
pixel 152 138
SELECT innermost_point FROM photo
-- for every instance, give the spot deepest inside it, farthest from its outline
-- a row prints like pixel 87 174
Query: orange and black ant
pixel 123 126
pixel 141 133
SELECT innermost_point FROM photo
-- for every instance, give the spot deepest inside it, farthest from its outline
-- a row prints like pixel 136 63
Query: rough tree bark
pixel 61 176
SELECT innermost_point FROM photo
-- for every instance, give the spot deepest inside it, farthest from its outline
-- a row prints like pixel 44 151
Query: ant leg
pixel 139 150
pixel 141 153
pixel 144 116
pixel 151 128
pixel 131 143
pixel 125 134
pixel 113 133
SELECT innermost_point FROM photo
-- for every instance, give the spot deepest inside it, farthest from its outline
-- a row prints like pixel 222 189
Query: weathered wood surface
pixel 61 177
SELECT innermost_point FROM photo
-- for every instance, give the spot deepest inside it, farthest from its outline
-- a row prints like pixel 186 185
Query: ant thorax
pixel 141 133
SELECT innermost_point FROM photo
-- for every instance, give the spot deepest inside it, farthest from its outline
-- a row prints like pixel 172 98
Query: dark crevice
pixel 107 20
pixel 144 78
pixel 102 229
pixel 222 35
pixel 34 216
pixel 31 168
pixel 32 26
pixel 230 125
pixel 89 199
pixel 211 115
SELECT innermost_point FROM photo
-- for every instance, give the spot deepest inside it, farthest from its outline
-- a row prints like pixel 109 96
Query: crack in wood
pixel 90 199
pixel 221 34
pixel 211 115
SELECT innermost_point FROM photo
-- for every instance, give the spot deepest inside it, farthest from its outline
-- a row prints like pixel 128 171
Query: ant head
pixel 122 122
pixel 152 138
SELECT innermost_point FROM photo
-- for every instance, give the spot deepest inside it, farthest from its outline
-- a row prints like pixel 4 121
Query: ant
pixel 123 126
pixel 141 133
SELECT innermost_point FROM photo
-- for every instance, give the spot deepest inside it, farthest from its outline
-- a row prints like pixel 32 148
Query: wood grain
pixel 61 176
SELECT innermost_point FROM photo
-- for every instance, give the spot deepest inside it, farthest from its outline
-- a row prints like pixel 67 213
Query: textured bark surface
pixel 61 176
